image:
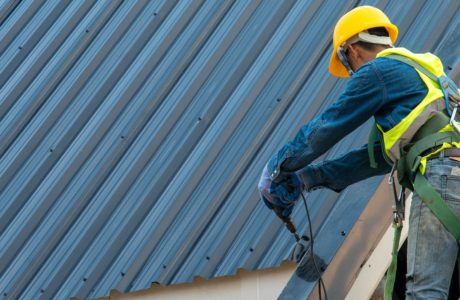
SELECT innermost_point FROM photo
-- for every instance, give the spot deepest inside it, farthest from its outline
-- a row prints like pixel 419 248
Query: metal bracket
pixel 452 118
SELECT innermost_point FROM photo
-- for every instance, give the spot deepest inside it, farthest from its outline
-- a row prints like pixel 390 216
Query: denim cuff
pixel 274 165
pixel 311 177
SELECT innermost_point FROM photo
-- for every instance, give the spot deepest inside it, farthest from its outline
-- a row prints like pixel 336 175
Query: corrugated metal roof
pixel 133 134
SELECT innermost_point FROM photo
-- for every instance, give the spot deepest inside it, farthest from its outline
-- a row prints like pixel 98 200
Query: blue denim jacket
pixel 384 88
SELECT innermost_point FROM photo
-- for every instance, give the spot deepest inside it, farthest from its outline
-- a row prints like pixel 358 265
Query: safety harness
pixel 430 140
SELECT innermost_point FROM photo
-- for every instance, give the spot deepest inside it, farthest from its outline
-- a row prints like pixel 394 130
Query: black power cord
pixel 321 284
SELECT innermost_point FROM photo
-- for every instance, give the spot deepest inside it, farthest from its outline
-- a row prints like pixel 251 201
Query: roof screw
pixel 251 249
pixel 84 279
pixel 449 67
pixel 122 274
pixel 164 266
pixel 20 47
pixel 42 291
pixel 208 258
pixel 343 233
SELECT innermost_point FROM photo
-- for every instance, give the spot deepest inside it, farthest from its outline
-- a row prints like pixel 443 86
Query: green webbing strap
pixel 437 122
pixel 427 137
pixel 430 141
pixel 373 136
pixel 438 206
pixel 391 273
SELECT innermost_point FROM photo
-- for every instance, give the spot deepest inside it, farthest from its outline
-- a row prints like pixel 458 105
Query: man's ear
pixel 353 51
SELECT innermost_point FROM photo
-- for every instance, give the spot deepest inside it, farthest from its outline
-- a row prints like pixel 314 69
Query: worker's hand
pixel 280 196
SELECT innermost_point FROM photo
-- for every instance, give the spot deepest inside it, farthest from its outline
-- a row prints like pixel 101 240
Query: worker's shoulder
pixel 385 65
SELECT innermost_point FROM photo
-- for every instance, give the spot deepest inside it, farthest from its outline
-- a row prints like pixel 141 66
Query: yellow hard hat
pixel 352 23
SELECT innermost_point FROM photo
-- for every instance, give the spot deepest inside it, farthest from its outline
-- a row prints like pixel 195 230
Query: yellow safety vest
pixel 403 132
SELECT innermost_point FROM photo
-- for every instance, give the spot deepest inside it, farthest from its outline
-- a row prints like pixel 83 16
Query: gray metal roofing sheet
pixel 133 134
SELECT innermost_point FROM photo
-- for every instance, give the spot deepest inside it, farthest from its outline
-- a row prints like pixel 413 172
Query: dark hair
pixel 380 31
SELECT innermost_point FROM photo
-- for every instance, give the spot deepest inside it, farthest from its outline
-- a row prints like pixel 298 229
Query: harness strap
pixel 448 87
pixel 374 136
pixel 428 136
pixel 438 206
pixel 414 64
pixel 433 125
pixel 391 273
pixel 411 160
pixel 437 122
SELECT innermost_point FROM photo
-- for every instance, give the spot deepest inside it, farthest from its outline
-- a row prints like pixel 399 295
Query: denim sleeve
pixel 364 95
pixel 339 173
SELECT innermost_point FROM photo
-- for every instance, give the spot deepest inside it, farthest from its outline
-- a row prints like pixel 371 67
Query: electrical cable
pixel 321 284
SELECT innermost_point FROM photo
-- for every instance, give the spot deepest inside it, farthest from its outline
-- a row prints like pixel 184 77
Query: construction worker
pixel 412 102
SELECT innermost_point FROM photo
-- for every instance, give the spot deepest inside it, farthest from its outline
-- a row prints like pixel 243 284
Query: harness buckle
pixel 398 208
pixel 452 119
pixel 391 177
pixel 397 219
pixel 399 200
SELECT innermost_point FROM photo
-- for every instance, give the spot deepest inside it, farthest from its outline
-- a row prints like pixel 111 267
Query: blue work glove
pixel 282 195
